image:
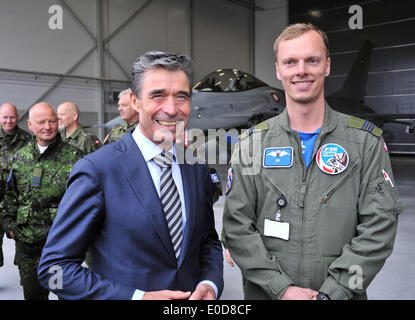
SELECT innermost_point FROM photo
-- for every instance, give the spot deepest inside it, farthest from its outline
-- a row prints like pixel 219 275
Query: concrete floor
pixel 395 281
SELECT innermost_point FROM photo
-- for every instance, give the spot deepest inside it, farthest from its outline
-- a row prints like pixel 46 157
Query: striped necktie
pixel 170 200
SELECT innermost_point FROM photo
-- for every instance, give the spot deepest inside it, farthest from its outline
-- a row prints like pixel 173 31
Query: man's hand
pixel 166 295
pixel 297 293
pixel 229 258
pixel 203 292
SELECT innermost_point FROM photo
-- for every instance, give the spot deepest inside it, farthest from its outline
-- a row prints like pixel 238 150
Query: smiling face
pixel 164 106
pixel 43 123
pixel 302 66
pixel 8 118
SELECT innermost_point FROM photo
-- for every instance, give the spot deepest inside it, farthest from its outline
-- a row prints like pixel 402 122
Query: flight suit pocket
pixel 338 214
pixel 386 197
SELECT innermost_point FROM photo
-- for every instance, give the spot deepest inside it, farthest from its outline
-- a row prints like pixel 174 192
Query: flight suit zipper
pixel 303 190
pixel 327 195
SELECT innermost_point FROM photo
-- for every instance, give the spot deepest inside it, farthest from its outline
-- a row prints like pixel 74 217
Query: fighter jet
pixel 231 98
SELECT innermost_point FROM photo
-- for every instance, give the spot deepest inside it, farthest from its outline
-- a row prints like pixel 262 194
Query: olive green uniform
pixel 34 188
pixel 83 140
pixel 8 146
pixel 342 227
pixel 117 132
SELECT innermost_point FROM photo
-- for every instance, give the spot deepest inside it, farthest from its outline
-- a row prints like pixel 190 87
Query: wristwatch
pixel 322 296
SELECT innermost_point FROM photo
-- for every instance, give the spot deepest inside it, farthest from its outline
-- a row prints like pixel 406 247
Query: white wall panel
pixel 268 25
pixel 217 33
pixel 161 25
pixel 29 44
pixel 222 37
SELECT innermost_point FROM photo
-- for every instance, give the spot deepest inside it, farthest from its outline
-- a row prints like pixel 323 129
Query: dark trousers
pixel 28 257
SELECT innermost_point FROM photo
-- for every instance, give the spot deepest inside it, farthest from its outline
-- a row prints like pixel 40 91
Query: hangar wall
pixel 269 23
pixel 216 33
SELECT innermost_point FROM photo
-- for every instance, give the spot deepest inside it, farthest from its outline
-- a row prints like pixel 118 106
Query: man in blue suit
pixel 148 224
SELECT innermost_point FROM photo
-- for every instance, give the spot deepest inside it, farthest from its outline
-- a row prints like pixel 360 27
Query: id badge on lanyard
pixel 276 228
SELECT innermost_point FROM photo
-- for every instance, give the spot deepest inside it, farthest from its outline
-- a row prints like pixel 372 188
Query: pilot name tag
pixel 276 229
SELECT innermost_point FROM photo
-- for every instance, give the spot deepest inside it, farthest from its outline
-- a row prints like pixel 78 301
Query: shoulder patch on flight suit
pixel 263 126
pixel 365 125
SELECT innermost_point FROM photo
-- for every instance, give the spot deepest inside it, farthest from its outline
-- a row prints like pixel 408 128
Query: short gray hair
pixel 124 92
pixel 158 59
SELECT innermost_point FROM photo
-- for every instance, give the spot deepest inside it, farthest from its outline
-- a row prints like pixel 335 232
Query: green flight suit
pixel 342 226
pixel 83 140
pixel 34 188
pixel 117 132
pixel 8 146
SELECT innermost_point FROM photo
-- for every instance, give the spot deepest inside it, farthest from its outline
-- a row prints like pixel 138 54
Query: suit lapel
pixel 188 179
pixel 135 169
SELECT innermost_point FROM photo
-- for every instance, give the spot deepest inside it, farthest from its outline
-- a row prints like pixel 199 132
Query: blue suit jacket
pixel 112 208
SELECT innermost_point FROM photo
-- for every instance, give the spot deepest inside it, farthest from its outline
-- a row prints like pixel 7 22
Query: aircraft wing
pixel 389 117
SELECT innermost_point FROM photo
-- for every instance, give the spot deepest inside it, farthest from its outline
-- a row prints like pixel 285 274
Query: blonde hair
pixel 295 30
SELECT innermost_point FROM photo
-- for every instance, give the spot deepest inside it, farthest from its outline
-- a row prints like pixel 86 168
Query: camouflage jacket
pixel 118 131
pixel 9 144
pixel 34 188
pixel 83 140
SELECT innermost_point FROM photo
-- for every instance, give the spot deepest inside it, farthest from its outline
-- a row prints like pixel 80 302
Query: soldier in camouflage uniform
pixel 34 188
pixel 72 132
pixel 127 113
pixel 11 139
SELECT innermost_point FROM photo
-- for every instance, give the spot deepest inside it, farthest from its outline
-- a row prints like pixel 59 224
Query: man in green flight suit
pixel 72 132
pixel 34 188
pixel 12 138
pixel 311 209
pixel 127 113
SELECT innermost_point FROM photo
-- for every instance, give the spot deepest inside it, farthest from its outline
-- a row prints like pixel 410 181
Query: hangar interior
pixel 82 51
